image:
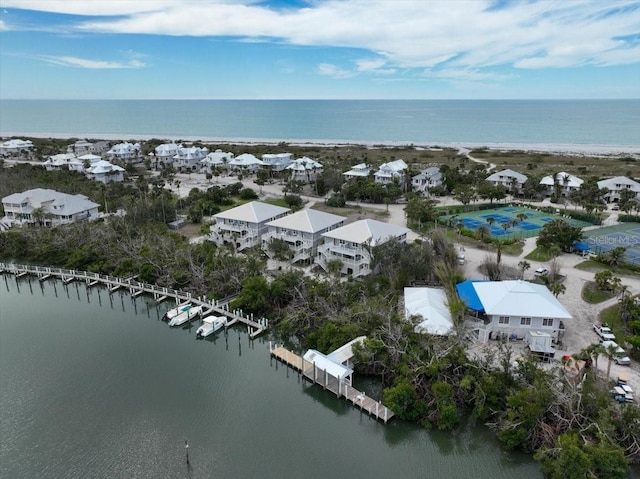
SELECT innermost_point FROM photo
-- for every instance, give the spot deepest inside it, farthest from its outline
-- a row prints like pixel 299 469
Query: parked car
pixel 542 272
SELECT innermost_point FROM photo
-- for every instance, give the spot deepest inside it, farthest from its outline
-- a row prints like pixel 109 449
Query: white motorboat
pixel 210 325
pixel 181 308
pixel 185 316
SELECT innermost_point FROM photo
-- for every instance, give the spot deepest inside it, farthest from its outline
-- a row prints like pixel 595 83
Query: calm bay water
pixel 93 385
pixel 514 123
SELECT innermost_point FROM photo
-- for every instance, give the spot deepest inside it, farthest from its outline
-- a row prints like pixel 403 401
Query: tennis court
pixel 509 222
pixel 626 235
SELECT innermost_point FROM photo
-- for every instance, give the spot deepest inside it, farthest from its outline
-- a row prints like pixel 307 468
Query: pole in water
pixel 186 449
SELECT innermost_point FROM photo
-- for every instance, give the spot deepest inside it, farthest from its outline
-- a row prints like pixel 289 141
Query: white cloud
pixel 92 64
pixel 3 26
pixel 333 71
pixel 462 35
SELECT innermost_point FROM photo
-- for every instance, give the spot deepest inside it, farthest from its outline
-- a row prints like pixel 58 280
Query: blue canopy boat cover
pixel 468 294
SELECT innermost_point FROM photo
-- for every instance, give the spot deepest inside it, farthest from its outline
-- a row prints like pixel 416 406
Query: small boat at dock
pixel 210 325
pixel 185 316
pixel 181 308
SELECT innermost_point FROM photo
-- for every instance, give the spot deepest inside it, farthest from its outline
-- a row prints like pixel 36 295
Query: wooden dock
pixel 255 326
pixel 341 389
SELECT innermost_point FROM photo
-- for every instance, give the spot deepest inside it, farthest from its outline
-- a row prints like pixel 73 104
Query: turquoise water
pixel 94 385
pixel 480 122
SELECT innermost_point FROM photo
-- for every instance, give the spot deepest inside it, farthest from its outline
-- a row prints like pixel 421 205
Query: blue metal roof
pixel 581 246
pixel 467 293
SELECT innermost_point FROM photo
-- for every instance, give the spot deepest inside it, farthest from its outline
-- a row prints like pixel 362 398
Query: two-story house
pixel 164 155
pixel 216 160
pixel 305 169
pixel 15 146
pixel 59 161
pixel 245 163
pixel 125 153
pixel 302 231
pixel 189 158
pixel 511 180
pixel 105 172
pixel 243 226
pixel 352 245
pixel 563 182
pixel 510 309
pixel 392 171
pixel 428 178
pixel 276 161
pixel 47 207
pixel 361 170
pixel 616 185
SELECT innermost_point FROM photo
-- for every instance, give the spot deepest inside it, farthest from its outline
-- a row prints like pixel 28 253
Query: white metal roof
pixel 64 204
pixel 571 181
pixel 431 305
pixel 246 159
pixel 323 363
pixel 519 298
pixel 308 221
pixel 359 170
pixel 612 183
pixel 500 175
pixel 253 212
pixel 103 166
pixel 345 352
pixel 363 231
pixel 304 163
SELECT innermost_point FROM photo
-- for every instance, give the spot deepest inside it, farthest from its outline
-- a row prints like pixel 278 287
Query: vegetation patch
pixel 592 294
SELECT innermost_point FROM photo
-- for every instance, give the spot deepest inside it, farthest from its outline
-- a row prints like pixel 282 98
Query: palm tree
pixel 491 220
pixel 483 231
pixel 505 226
pixel 557 288
pixel 610 351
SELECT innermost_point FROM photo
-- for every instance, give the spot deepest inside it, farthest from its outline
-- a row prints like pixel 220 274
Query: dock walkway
pixel 341 389
pixel 255 326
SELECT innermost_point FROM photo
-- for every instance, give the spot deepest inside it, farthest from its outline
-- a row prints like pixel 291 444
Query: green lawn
pixel 594 295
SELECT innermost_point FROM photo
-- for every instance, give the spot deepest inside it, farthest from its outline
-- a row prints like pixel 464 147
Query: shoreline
pixel 552 148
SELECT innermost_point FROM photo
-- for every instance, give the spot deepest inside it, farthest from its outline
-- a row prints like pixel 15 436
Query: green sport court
pixel 526 227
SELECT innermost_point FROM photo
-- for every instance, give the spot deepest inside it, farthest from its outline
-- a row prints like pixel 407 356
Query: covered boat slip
pixel 320 369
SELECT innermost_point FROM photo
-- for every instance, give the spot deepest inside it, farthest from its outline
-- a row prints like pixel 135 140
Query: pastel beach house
pixel 216 160
pixel 361 170
pixel 164 155
pixel 276 161
pixel 189 158
pixel 47 207
pixel 352 245
pixel 244 225
pixel 245 163
pixel 302 232
pixel 511 309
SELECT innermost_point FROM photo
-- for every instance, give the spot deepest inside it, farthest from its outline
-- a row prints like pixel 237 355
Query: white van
pixel 620 356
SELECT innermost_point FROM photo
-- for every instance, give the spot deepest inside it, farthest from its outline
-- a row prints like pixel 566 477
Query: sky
pixel 319 49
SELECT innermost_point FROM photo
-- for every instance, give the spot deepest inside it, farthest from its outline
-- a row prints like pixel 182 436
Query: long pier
pixel 340 388
pixel 255 326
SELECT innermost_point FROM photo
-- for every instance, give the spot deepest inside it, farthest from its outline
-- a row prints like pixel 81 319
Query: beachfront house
pixel 428 178
pixel 361 170
pixel 126 153
pixel 276 161
pixel 511 180
pixel 301 232
pixel 430 308
pixel 105 172
pixel 216 160
pixel 352 245
pixel 617 185
pixel 562 182
pixel 244 225
pixel 15 146
pixel 189 158
pixel 61 161
pixel 509 309
pixel 164 154
pixel 392 171
pixel 245 164
pixel 305 169
pixel 47 207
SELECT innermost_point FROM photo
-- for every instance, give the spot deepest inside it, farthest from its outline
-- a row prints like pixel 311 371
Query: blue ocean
pixel 565 124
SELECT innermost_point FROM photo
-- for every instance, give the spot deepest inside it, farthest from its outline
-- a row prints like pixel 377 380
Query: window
pixel 547 322
pixel 503 320
pixel 525 321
